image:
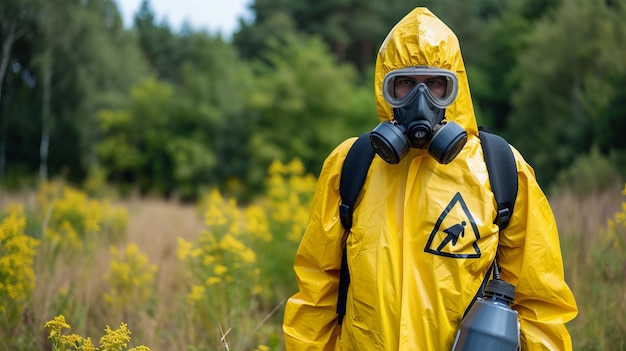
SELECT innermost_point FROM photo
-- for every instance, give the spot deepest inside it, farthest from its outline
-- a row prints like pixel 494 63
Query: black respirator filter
pixel 392 144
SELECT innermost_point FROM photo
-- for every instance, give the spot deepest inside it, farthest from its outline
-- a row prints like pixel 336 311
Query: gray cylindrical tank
pixel 491 324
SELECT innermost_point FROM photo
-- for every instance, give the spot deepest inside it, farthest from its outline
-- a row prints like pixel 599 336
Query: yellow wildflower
pixel 197 293
pixel 140 348
pixel 115 340
pixel 56 325
pixel 277 168
pixel 296 167
pixel 213 280
pixel 231 244
pixel 184 248
pixel 257 223
pixel 215 214
pixel 69 235
pixel 208 260
pixel 16 257
pixel 93 217
pixel 73 340
pixel 247 255
pixel 88 345
pixel 220 269
pixel 131 276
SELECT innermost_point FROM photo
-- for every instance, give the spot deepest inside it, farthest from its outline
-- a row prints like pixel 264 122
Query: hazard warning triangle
pixel 455 234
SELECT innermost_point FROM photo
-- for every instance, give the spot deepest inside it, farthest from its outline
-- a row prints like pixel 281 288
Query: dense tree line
pixel 166 111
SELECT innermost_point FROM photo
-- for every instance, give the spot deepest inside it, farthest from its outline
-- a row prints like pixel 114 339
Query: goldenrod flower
pixel 184 248
pixel 277 168
pixel 74 341
pixel 247 255
pixel 93 217
pixel 56 325
pixel 72 216
pixel 140 348
pixel 257 223
pixel 207 260
pixel 115 340
pixel 131 277
pixel 213 280
pixel 220 269
pixel 230 243
pixel 17 252
pixel 88 345
pixel 197 293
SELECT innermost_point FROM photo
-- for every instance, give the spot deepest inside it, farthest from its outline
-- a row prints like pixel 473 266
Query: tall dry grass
pixel 593 256
pixel 182 277
pixel 155 225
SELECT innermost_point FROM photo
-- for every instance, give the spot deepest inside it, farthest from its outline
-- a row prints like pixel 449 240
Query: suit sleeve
pixel 310 320
pixel 530 258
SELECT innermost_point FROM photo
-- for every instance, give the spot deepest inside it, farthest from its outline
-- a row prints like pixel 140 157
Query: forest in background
pixel 151 110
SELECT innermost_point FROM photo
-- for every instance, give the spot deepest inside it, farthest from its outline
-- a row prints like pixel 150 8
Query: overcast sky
pixel 212 15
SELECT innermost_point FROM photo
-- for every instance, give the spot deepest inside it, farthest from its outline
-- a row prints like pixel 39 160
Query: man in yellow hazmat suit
pixel 423 237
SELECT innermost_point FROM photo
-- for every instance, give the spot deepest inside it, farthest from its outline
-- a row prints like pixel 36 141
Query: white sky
pixel 216 16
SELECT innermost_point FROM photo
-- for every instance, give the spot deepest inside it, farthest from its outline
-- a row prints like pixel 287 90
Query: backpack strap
pixel 502 171
pixel 353 175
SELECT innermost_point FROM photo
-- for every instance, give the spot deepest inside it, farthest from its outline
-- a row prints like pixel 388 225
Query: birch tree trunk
pixel 45 115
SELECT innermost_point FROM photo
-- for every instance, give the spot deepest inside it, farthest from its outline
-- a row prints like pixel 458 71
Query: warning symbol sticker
pixel 455 234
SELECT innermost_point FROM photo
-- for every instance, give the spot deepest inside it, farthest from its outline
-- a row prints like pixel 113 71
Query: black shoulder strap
pixel 353 175
pixel 502 171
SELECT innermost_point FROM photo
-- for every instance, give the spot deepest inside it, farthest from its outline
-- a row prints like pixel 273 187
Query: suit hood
pixel 422 39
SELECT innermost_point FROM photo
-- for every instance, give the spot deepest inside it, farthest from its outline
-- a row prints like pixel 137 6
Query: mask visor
pixel 431 77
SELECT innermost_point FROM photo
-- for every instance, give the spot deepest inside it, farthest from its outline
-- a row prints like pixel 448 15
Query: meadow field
pixel 80 267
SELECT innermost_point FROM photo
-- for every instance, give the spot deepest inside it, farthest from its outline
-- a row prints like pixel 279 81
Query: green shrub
pixel 590 173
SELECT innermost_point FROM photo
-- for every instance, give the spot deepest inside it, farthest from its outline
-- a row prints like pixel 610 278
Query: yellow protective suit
pixel 407 290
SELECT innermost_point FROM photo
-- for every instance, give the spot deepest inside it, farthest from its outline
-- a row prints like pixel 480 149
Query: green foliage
pixel 590 173
pixel 64 67
pixel 157 43
pixel 610 124
pixel 493 77
pixel 251 40
pixel 566 69
pixel 157 143
pixel 302 97
pixel 351 29
pixel 179 135
pixel 293 83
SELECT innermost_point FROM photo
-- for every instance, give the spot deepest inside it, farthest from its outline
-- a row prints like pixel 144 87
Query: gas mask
pixel 419 115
